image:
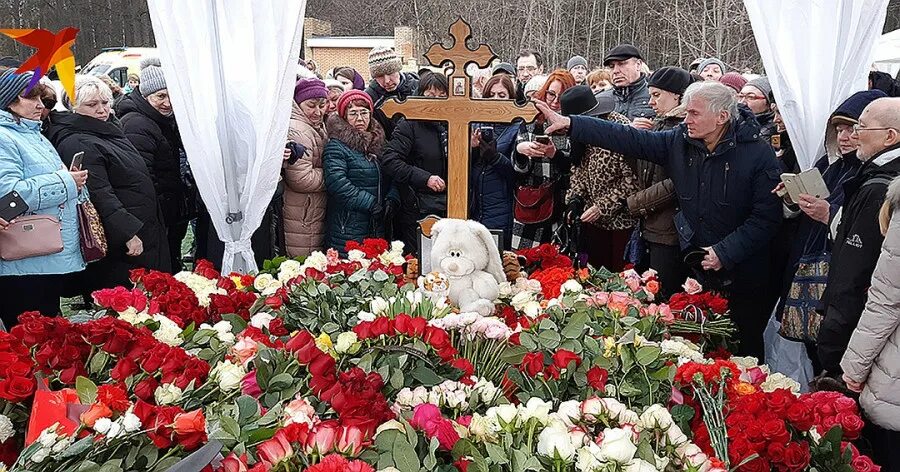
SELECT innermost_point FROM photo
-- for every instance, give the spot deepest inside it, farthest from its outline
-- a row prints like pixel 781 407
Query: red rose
pixel 562 358
pixel 277 328
pixel 146 388
pixel 323 365
pixel 515 339
pixel 718 304
pixel 16 389
pixel 447 353
pixel 436 337
pixel 800 415
pixel 363 330
pixel 383 326
pixel 796 456
pixel 864 464
pixel 551 372
pixel 780 401
pixel 123 369
pixel 851 423
pixel 155 358
pixel 774 430
pixel 597 378
pixel 532 363
pixel 462 464
pixel 775 453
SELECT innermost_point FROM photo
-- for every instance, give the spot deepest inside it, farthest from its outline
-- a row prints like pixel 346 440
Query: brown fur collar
pixel 367 142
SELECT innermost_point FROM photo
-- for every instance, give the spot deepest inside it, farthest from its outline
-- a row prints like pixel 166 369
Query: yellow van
pixel 117 63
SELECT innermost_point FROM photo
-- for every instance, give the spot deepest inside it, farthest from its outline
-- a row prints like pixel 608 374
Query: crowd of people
pixel 678 170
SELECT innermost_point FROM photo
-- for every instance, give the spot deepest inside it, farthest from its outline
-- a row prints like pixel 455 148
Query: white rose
pixel 266 284
pixel 40 455
pixel 379 306
pixel 356 255
pixel 532 309
pixel 569 412
pixel 612 408
pixel 261 320
pixel 131 316
pixel 628 417
pixel 456 399
pixel 488 392
pixel 62 445
pixel 405 398
pixel 639 465
pixel 484 428
pixel 365 316
pixel 346 342
pixel 675 436
pixel 131 422
pixel 505 289
pixel 223 332
pixel 168 331
pixel 518 302
pixel 167 394
pixel 656 417
pixel 588 458
pixel 777 380
pixel 7 430
pixel 229 375
pixel 537 409
pixel 317 260
pixel 554 441
pixel 288 270
pixel 506 414
pixel 571 286
pixel 102 425
pixel 745 362
pixel 617 446
pixel 48 436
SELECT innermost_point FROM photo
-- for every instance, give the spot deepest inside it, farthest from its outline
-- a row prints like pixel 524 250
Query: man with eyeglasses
pixel 629 82
pixel 528 64
pixel 755 95
pixel 857 244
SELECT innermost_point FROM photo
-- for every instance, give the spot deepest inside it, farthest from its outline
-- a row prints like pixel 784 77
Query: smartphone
pixel 77 161
pixel 542 138
pixel 487 133
pixel 12 206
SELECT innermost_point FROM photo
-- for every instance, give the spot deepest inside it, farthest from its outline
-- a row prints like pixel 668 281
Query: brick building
pixel 333 51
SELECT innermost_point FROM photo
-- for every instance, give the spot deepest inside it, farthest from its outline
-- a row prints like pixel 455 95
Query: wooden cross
pixel 459 110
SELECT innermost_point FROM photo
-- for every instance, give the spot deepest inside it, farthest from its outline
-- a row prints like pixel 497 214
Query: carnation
pixel 201 286
pixel 7 430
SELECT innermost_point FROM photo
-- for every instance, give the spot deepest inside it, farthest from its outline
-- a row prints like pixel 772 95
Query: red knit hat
pixel 734 80
pixel 350 95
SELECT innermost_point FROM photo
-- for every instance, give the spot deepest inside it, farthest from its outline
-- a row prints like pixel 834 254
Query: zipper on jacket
pixel 727 167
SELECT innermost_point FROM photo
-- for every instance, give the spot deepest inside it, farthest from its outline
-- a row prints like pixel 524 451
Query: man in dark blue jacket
pixel 723 175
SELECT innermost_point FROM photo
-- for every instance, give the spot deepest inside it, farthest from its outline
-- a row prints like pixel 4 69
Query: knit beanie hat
pixel 762 84
pixel 734 80
pixel 152 78
pixel 576 61
pixel 308 89
pixel 383 61
pixel 535 83
pixel 344 102
pixel 711 60
pixel 11 85
pixel 670 79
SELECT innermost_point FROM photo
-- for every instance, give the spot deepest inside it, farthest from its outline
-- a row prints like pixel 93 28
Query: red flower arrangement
pixel 412 327
pixel 703 301
pixel 545 256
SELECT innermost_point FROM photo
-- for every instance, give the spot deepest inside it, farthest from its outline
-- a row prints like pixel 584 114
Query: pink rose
pixel 324 437
pixel 244 350
pixel 249 386
pixel 692 287
pixel 665 314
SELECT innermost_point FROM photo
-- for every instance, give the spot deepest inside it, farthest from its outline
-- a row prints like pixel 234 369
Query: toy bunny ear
pixel 438 227
pixel 495 264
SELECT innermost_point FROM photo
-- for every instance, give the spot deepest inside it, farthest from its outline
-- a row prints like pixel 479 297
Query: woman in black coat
pixel 118 182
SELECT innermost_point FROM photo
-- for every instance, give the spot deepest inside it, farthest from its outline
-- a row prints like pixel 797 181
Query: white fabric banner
pixel 230 69
pixel 816 54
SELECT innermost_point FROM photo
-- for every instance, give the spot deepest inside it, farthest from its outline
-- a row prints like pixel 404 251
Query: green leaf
pixel 575 327
pixel 280 381
pixel 260 434
pixel 528 341
pixel 549 339
pixel 426 376
pixel 386 439
pixel 405 456
pixel 78 447
pixel 513 354
pixel 238 324
pixel 247 408
pixel 112 466
pixel 230 426
pixel 98 362
pixel 497 454
pixel 647 355
pixel 87 390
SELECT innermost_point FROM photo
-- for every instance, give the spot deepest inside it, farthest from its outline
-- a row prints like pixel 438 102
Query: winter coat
pixel 491 182
pixel 767 126
pixel 355 183
pixel 417 151
pixel 409 86
pixel 725 196
pixel 873 355
pixel 121 191
pixel 30 166
pixel 156 138
pixel 304 193
pixel 604 179
pixel 633 100
pixel 854 255
pixel 656 203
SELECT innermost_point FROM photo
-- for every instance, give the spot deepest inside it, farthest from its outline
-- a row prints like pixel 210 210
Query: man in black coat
pixel 723 176
pixel 629 82
pixel 857 244
pixel 388 82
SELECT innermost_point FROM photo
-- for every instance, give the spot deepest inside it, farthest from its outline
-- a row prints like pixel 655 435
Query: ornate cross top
pixel 459 110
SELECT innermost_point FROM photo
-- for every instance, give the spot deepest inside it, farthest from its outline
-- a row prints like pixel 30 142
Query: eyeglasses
pixel 358 114
pixel 550 96
pixel 527 69
pixel 749 96
pixel 857 128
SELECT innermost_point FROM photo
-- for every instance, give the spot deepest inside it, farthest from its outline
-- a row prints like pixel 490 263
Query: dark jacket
pixel 121 190
pixel 767 126
pixel 354 182
pixel 491 181
pixel 854 255
pixel 725 195
pixel 409 86
pixel 417 151
pixel 157 140
pixel 884 82
pixel 657 202
pixel 633 100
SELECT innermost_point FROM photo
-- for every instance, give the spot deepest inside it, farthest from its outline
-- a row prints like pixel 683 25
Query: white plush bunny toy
pixel 466 252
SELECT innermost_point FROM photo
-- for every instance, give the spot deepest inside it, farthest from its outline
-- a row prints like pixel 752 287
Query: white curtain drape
pixel 230 70
pixel 816 54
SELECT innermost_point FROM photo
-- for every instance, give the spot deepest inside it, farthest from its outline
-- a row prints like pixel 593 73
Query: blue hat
pixel 11 85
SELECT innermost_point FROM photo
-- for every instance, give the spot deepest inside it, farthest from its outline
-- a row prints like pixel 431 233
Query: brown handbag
pixel 534 204
pixel 31 236
pixel 91 233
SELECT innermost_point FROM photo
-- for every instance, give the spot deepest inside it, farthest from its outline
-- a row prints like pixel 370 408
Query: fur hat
pixel 152 78
pixel 383 61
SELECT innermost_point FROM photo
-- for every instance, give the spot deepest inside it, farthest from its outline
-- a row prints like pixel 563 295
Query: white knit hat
pixel 383 61
pixel 152 78
pixel 535 83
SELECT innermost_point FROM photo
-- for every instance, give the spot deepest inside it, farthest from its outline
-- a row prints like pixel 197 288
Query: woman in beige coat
pixel 872 361
pixel 304 195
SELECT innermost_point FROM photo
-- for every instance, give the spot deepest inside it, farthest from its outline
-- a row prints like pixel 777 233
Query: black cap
pixel 504 68
pixel 671 79
pixel 620 53
pixel 580 100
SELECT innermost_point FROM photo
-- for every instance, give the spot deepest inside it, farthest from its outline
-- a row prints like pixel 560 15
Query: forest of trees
pixel 670 32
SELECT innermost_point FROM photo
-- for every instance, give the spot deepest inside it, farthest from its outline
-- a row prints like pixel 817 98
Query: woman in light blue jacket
pixel 30 166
